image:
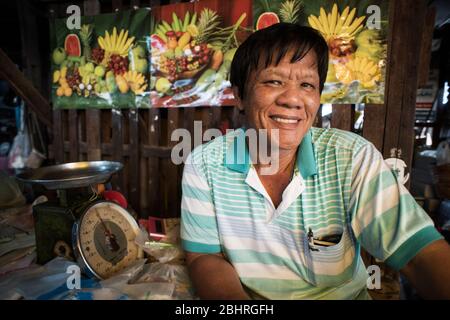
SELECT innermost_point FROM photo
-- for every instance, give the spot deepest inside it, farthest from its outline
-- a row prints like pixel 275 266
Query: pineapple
pixel 207 24
pixel 290 10
pixel 85 36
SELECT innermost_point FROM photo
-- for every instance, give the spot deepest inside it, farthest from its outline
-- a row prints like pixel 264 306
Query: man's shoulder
pixel 337 139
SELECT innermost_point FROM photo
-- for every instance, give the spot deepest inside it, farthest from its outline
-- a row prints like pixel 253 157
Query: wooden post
pixel 343 116
pixel 407 22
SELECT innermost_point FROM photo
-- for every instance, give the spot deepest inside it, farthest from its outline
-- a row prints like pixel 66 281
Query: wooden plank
pixel 216 117
pixel 58 142
pixel 207 120
pixel 373 126
pixel 342 116
pixel 425 48
pixel 106 129
pixel 73 135
pixel 172 190
pixel 133 170
pixel 318 119
pixel 153 182
pixel 237 118
pixel 117 142
pixel 143 164
pixel 407 23
pixel 188 122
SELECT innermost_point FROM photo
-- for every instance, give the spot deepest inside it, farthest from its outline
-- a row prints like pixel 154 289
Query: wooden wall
pixel 141 138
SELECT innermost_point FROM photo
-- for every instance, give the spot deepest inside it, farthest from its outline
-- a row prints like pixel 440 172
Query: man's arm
pixel 214 277
pixel 429 271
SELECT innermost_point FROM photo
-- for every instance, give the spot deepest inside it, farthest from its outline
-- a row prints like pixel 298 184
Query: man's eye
pixel 273 82
pixel 308 85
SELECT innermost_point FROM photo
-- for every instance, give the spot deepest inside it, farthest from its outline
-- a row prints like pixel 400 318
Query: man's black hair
pixel 273 43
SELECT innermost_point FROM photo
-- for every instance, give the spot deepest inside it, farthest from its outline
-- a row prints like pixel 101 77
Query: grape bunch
pixel 171 67
pixel 98 54
pixel 118 64
pixel 73 78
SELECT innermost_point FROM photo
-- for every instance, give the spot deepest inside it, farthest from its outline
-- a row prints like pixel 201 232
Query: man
pixel 297 233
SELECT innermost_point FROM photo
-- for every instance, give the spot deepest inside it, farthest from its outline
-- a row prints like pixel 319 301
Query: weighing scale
pixel 78 223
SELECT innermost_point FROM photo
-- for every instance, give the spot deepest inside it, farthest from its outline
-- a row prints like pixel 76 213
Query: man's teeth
pixel 284 120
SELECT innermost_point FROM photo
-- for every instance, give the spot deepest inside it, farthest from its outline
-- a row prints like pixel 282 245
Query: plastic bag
pixel 122 278
pixel 36 281
pixel 169 273
pixel 125 283
pixel 160 250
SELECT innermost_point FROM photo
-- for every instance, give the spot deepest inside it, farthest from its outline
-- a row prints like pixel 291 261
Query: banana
pixel 334 16
pixel 312 23
pixel 187 17
pixel 329 23
pixel 160 34
pixel 177 22
pixel 323 20
pixel 349 18
pixel 107 41
pixel 341 20
pixel 355 25
pixel 357 63
pixel 162 28
pixel 168 26
pixel 318 23
pixel 124 39
pixel 126 46
pixel 119 39
pixel 101 42
pixel 114 37
pixel 194 18
pixel 373 69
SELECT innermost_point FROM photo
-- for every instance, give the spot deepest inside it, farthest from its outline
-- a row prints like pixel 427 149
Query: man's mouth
pixel 285 119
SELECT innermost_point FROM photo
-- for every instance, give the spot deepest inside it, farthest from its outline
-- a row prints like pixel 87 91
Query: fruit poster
pixel 104 63
pixel 356 33
pixel 191 55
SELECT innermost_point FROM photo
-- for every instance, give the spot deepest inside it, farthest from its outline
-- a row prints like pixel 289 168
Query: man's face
pixel 284 97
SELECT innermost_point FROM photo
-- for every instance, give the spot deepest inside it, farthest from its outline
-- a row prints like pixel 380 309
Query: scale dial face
pixel 106 234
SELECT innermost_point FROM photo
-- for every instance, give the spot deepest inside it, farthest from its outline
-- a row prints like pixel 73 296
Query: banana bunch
pixel 116 43
pixel 178 25
pixel 136 81
pixel 364 70
pixel 337 25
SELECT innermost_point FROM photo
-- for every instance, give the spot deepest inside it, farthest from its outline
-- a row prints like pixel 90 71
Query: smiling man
pixel 297 233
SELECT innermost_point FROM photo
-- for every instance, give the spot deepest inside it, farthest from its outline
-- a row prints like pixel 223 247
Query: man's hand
pixel 214 277
pixel 429 271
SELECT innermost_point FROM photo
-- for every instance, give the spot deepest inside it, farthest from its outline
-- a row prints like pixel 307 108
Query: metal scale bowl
pixel 77 224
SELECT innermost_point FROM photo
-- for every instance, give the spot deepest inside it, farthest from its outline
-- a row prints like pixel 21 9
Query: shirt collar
pixel 237 156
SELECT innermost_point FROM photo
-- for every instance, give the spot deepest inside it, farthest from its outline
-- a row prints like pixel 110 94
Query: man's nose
pixel 291 97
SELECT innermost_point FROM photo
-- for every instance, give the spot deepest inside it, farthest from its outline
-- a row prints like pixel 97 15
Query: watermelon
pixel 266 20
pixel 72 45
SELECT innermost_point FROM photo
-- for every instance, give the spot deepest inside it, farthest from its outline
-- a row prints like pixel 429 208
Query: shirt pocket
pixel 333 265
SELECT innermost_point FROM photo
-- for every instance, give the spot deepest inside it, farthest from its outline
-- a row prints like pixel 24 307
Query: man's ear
pixel 237 98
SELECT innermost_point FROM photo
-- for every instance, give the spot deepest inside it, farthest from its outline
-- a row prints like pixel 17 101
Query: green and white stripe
pixel 341 185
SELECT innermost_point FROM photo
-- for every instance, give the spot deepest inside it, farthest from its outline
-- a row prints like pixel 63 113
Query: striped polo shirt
pixel 340 186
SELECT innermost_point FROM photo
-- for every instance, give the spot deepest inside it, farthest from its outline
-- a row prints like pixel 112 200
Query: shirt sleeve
pixel 385 218
pixel 198 220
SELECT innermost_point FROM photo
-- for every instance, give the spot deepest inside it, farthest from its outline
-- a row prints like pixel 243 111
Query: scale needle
pixel 110 236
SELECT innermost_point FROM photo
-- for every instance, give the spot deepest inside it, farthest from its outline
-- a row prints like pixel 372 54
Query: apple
pixel 59 55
